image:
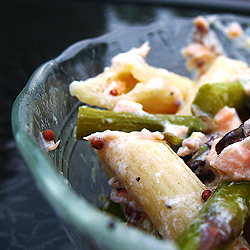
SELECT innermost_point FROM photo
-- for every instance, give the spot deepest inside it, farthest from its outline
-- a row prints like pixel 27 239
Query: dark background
pixel 33 32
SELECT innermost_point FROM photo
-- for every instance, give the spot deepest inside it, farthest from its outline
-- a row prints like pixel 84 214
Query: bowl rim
pixel 51 183
pixel 111 233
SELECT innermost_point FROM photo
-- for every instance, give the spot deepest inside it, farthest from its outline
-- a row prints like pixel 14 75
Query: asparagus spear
pixel 97 120
pixel 221 219
pixel 211 98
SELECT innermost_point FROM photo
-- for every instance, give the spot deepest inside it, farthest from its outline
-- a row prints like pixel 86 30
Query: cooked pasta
pixel 157 179
pixel 143 167
pixel 131 78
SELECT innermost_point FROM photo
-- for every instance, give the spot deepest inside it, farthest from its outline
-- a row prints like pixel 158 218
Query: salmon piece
pixel 227 119
pixel 233 163
pixel 234 30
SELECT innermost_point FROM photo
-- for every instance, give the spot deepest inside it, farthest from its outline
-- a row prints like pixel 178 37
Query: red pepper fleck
pixel 97 143
pixel 201 25
pixel 200 63
pixel 136 215
pixel 243 248
pixel 202 28
pixel 129 210
pixel 48 135
pixel 205 194
pixel 114 92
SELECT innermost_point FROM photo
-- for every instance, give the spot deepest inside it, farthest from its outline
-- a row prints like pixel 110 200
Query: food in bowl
pixel 158 142
pixel 71 176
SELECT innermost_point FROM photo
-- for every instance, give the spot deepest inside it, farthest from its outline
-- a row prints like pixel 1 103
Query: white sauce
pixel 135 54
pixel 178 130
pixel 128 106
pixel 192 144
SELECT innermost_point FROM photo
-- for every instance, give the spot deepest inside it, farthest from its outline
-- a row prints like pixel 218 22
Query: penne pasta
pixel 157 190
pixel 157 179
pixel 131 78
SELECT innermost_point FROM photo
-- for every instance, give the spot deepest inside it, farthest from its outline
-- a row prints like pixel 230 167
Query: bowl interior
pixel 51 105
pixel 46 103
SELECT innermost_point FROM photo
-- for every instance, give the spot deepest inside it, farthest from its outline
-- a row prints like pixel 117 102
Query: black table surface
pixel 33 32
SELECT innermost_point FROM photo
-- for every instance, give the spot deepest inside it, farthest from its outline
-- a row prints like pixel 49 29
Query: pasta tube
pixel 222 70
pixel 157 179
pixel 131 78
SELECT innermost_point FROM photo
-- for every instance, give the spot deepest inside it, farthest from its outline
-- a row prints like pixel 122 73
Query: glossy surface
pixel 26 187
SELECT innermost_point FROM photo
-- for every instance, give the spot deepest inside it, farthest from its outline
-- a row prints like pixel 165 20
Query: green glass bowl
pixel 71 177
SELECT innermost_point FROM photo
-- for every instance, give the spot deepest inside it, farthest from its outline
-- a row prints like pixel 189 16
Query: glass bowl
pixel 71 177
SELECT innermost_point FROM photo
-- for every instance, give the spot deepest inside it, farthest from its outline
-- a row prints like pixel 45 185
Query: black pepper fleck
pixel 111 225
pixel 172 93
pixel 168 206
pixel 138 178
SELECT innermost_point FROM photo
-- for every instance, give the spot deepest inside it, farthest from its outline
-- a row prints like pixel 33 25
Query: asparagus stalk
pixel 221 219
pixel 92 120
pixel 211 98
pixel 222 70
